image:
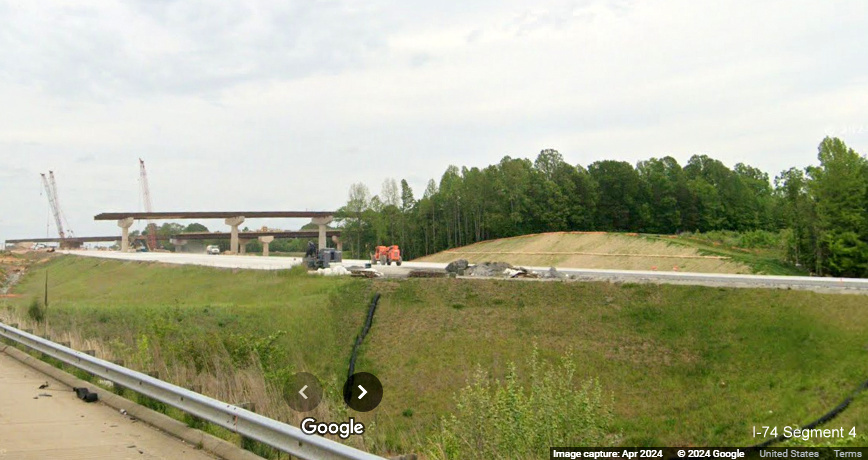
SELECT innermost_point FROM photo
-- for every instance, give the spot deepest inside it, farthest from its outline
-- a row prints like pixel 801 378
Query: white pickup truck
pixel 212 249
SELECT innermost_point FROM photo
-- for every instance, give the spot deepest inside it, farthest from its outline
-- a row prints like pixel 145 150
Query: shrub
pixel 495 419
pixel 36 311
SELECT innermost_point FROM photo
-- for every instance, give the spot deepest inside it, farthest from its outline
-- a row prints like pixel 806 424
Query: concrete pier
pixel 125 225
pixel 265 240
pixel 322 222
pixel 234 222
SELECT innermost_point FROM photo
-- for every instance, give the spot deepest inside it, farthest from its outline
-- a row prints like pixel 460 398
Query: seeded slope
pixel 593 250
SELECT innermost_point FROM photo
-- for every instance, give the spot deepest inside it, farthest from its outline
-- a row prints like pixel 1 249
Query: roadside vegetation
pixel 670 365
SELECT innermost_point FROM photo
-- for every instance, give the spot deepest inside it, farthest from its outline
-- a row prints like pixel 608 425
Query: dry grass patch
pixel 592 250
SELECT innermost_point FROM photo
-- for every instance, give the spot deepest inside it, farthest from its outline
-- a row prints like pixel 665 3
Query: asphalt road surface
pixel 821 284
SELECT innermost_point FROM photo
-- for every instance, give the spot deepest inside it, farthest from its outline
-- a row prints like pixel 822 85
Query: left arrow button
pixel 302 391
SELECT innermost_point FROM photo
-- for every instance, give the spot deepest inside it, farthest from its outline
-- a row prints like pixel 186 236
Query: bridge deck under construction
pixel 210 214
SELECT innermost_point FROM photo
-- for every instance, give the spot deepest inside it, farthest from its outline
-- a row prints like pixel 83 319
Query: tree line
pixel 821 210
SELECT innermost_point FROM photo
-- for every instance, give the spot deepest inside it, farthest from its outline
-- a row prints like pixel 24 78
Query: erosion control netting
pixel 823 419
pixel 361 337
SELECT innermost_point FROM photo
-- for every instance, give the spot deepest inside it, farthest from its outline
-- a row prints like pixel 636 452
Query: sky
pixel 267 105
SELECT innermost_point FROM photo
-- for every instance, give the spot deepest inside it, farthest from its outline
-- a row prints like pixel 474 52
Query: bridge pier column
pixel 322 222
pixel 338 243
pixel 242 246
pixel 125 225
pixel 179 244
pixel 265 240
pixel 234 222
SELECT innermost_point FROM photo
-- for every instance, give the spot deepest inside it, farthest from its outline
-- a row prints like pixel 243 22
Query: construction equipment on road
pixel 320 258
pixel 146 200
pixel 385 255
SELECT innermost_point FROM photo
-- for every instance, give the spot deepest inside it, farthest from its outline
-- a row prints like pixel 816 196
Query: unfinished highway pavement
pixel 820 284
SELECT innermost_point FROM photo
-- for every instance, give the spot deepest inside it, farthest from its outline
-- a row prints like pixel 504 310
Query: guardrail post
pixel 116 388
pixel 149 402
pixel 246 443
pixel 191 420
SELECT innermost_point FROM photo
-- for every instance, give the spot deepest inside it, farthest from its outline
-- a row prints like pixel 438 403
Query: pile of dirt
pixel 11 270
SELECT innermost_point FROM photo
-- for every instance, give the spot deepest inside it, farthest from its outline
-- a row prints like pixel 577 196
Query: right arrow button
pixel 363 392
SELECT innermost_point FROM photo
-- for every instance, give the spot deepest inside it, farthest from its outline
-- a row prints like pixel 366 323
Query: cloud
pixel 282 105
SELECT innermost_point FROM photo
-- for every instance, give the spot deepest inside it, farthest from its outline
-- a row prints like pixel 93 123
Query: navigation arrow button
pixel 302 391
pixel 363 392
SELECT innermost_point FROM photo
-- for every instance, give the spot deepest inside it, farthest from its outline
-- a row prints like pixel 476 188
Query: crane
pixel 146 200
pixel 57 203
pixel 59 219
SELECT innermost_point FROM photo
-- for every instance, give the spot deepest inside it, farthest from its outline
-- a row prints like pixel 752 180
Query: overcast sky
pixel 266 105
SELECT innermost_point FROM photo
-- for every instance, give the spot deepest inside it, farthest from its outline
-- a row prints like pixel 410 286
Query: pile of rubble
pixel 462 267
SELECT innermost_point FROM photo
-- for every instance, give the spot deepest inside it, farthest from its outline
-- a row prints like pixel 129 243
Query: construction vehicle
pixel 385 255
pixel 320 258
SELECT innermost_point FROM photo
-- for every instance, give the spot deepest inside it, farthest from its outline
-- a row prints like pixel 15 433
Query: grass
pixel 685 365
pixel 769 260
pixel 235 334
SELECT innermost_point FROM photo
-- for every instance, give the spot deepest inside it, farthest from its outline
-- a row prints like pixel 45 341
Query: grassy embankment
pixel 685 365
pixel 717 252
pixel 234 335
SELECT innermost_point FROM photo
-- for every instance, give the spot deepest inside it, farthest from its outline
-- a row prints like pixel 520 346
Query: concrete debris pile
pixel 461 267
pixel 337 270
pixel 365 273
pixel 458 266
pixel 488 269
pixel 520 272
pixel 552 273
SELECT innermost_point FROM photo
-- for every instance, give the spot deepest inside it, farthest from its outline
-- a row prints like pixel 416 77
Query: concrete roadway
pixel 61 426
pixel 849 285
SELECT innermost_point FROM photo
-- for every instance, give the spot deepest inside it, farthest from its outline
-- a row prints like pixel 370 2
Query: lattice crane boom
pixel 59 211
pixel 52 201
pixel 146 201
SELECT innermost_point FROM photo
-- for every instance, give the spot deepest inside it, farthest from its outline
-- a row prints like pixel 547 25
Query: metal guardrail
pixel 279 435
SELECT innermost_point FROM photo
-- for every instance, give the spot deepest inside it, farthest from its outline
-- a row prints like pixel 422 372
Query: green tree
pixel 839 186
pixel 663 181
pixel 195 227
pixel 619 192
pixel 352 218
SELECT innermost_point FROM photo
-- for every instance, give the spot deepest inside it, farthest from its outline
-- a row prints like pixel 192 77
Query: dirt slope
pixel 591 250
